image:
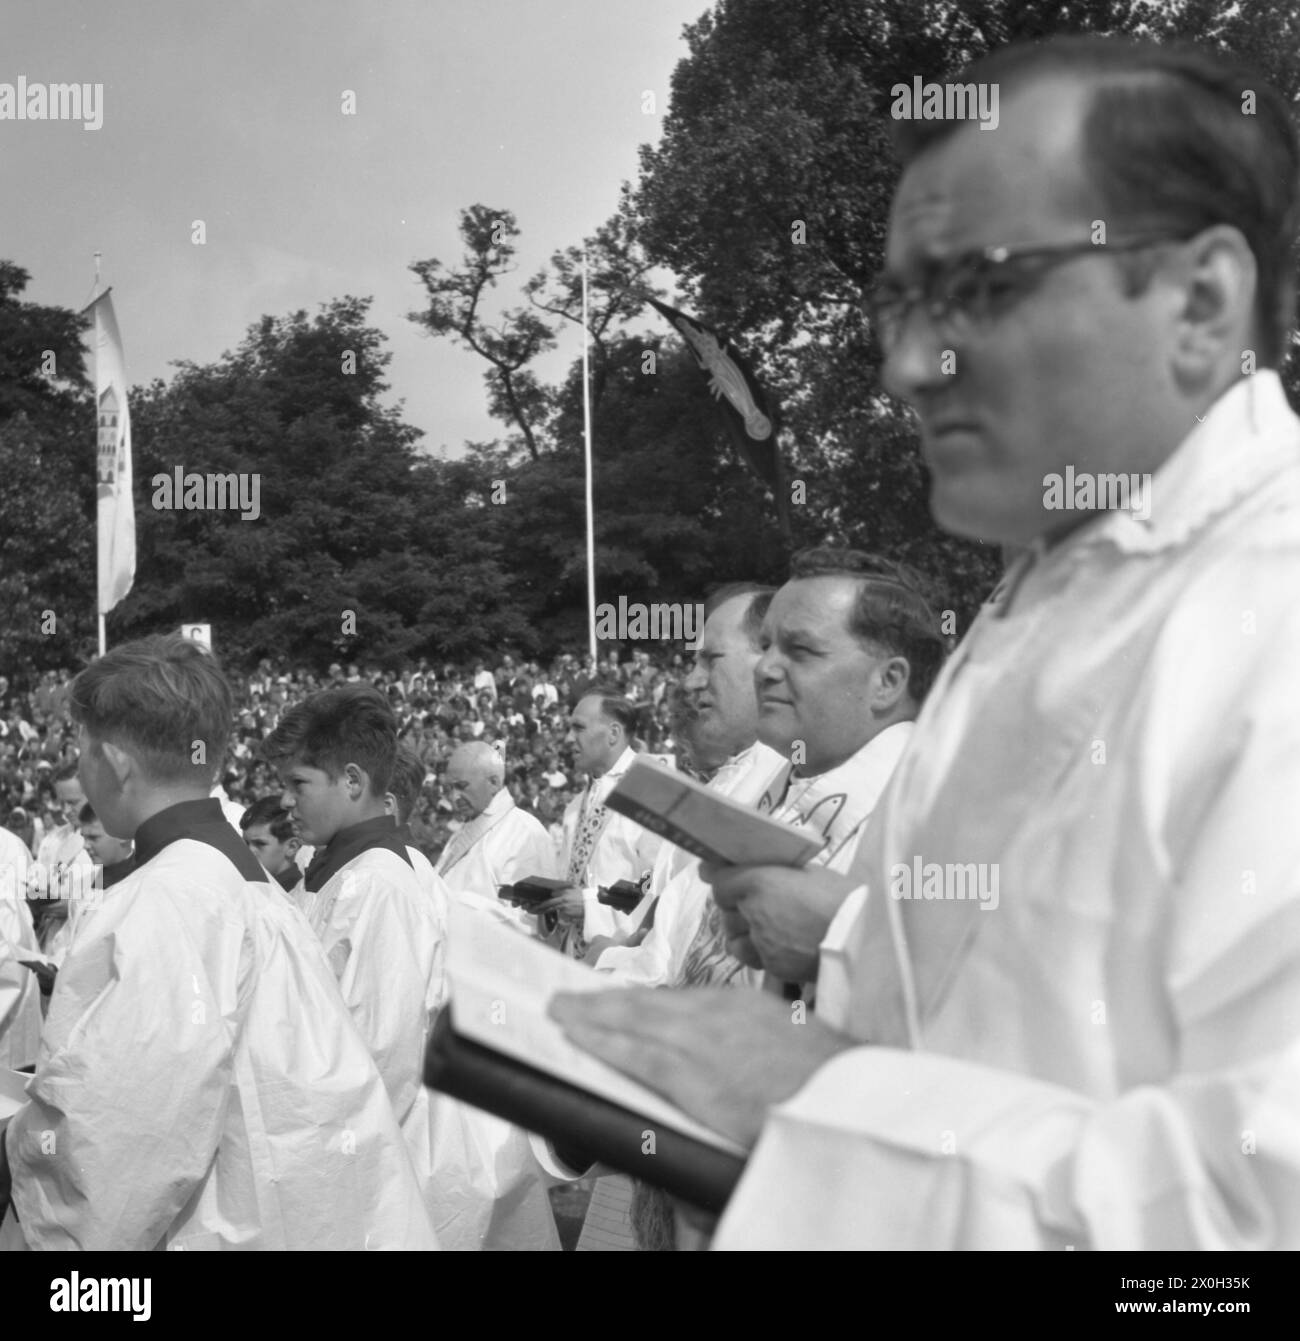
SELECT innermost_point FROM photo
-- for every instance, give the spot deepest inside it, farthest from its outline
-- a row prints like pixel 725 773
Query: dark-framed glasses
pixel 976 287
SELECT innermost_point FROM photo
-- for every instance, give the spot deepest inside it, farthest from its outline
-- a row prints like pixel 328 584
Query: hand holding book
pixel 496 1047
pixel 723 1056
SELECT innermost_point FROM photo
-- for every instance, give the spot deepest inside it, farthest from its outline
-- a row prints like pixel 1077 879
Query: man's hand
pixel 567 903
pixel 775 917
pixel 722 1055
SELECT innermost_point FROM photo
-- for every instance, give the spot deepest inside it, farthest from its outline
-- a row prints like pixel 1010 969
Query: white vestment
pixel 436 894
pixel 59 848
pixel 835 803
pixel 683 898
pixel 20 993
pixel 1110 1056
pixel 624 850
pixel 232 810
pixel 199 1083
pixel 53 877
pixel 505 1207
pixel 502 845
pixel 384 936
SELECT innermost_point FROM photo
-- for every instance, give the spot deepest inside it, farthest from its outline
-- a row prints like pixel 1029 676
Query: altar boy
pixel 381 931
pixel 171 1106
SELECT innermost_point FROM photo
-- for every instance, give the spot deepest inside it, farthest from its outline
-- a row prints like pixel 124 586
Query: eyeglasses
pixel 977 287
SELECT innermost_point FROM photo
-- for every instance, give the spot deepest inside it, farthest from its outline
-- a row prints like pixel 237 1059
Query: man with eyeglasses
pixel 1107 1055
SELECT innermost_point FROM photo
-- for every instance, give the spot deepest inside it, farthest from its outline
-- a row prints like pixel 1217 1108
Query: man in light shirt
pixel 845 654
pixel 62 868
pixel 601 847
pixel 1063 995
pixel 722 731
pixel 497 843
pixel 850 650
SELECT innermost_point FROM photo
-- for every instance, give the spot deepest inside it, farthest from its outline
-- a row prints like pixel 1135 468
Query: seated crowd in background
pixel 519 706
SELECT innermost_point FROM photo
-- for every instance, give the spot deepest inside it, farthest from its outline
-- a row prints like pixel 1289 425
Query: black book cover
pixel 575 1118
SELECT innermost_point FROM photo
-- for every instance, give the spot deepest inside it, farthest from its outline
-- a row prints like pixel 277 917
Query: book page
pixel 696 818
pixel 501 984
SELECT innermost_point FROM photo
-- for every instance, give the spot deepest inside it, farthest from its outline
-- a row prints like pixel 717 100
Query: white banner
pixel 116 504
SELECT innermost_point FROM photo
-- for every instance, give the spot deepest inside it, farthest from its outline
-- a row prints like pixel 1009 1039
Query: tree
pixel 346 559
pixel 456 299
pixel 768 195
pixel 675 510
pixel 47 502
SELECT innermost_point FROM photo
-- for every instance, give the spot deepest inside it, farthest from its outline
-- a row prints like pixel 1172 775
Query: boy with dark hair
pixel 382 934
pixel 268 831
pixel 114 856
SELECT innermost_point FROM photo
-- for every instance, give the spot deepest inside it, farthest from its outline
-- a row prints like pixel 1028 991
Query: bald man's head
pixel 475 774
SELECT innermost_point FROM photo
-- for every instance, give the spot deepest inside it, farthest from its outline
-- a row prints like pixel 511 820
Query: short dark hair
pixel 66 771
pixel 890 612
pixel 407 781
pixel 1168 147
pixel 349 724
pixel 268 810
pixel 86 815
pixel 158 697
pixel 614 707
pixel 755 612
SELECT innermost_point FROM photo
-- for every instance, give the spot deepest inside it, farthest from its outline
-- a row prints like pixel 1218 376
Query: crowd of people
pixel 519 706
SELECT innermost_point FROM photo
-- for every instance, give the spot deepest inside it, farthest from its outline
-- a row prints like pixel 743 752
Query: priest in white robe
pixel 601 847
pixel 497 843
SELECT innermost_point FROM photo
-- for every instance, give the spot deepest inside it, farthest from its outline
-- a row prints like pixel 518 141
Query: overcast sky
pixel 231 113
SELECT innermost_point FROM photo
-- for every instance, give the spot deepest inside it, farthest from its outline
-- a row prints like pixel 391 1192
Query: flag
pixel 747 410
pixel 116 502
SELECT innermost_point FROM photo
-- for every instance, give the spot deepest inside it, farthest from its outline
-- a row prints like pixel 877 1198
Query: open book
pixel 495 1047
pixel 696 818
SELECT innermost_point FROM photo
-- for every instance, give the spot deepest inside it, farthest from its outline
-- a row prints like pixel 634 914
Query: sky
pixel 232 114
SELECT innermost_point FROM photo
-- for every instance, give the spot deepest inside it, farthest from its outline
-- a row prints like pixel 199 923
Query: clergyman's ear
pixel 894 675
pixel 120 762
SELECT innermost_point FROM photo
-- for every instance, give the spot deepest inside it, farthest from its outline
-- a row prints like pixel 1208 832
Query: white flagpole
pixel 586 424
pixel 103 635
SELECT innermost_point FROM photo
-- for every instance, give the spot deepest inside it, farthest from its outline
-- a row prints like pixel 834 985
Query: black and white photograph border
pixel 642 626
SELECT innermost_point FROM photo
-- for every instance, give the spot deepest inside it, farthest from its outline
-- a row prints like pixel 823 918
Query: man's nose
pixel 286 801
pixel 695 680
pixel 921 360
pixel 766 668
